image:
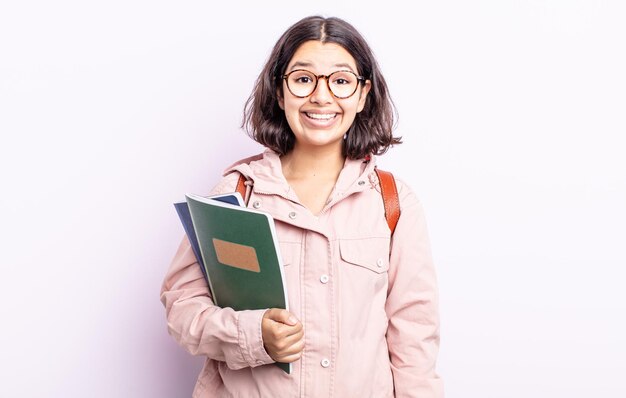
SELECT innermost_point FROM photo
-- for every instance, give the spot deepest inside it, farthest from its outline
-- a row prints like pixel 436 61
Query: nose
pixel 321 94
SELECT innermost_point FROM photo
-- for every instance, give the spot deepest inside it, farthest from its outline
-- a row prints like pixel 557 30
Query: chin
pixel 325 143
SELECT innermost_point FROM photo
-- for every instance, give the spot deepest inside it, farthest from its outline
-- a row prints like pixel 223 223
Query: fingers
pixel 274 331
pixel 288 349
pixel 282 337
pixel 281 315
pixel 292 354
pixel 281 323
pixel 291 339
pixel 292 330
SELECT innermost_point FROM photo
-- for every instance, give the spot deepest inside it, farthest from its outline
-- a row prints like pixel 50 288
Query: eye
pixel 303 79
pixel 342 78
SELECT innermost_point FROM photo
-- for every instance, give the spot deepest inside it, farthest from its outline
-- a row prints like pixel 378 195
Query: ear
pixel 281 100
pixel 363 95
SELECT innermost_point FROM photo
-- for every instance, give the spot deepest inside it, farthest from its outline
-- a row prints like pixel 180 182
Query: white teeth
pixel 321 116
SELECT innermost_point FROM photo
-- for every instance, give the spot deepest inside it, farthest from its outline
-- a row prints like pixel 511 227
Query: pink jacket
pixel 368 301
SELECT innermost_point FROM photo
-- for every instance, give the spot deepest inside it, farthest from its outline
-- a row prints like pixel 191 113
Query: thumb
pixel 281 315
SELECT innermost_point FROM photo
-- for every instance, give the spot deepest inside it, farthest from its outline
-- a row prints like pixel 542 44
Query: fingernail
pixel 292 320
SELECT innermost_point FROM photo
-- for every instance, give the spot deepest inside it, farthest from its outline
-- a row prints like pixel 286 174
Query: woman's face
pixel 321 120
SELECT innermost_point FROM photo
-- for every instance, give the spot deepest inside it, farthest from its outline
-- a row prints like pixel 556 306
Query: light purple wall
pixel 513 119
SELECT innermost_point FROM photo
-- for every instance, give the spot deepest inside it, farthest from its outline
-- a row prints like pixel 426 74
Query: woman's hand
pixel 283 335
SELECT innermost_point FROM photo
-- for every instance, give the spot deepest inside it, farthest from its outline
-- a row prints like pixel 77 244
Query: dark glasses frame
pixel 360 79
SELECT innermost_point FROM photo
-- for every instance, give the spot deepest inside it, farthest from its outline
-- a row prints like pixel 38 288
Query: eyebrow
pixel 306 64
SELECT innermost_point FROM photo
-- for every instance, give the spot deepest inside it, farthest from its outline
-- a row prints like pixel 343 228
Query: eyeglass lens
pixel 302 83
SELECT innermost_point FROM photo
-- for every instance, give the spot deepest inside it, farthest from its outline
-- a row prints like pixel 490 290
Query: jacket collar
pixel 265 171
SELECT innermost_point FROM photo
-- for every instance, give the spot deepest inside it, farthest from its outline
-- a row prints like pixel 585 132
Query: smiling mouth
pixel 320 116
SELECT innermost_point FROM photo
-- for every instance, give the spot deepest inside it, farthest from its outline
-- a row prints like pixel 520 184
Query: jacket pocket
pixel 370 253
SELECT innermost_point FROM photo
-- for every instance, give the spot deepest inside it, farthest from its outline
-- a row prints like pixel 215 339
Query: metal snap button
pixel 256 204
pixel 361 182
pixel 292 215
pixel 324 278
pixel 380 262
pixel 325 363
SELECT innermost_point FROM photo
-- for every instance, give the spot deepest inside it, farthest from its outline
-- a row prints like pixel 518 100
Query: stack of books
pixel 238 252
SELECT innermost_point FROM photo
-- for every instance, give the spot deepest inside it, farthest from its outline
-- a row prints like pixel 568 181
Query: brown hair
pixel 371 131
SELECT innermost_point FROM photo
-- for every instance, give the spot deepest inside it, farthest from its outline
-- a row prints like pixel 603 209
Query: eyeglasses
pixel 342 83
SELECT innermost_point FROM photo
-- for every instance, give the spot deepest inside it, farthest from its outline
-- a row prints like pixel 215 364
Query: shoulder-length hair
pixel 370 133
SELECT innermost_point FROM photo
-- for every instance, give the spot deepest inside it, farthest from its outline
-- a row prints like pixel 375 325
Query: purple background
pixel 512 114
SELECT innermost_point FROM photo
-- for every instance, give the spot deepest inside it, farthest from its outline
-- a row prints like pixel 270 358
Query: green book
pixel 241 256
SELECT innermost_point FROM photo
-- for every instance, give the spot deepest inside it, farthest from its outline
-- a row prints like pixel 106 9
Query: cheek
pixel 291 110
pixel 291 118
pixel 292 113
pixel 292 106
pixel 350 110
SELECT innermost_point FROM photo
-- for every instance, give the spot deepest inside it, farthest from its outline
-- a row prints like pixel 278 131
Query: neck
pixel 321 163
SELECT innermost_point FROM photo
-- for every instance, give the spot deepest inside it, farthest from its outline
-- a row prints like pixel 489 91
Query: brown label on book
pixel 236 255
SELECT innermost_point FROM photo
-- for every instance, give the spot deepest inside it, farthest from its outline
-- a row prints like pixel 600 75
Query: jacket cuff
pixel 250 338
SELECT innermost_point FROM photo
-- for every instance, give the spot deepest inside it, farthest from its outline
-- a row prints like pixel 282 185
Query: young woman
pixel 363 319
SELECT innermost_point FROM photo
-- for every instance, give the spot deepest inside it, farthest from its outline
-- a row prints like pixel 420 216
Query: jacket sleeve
pixel 197 324
pixel 412 305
